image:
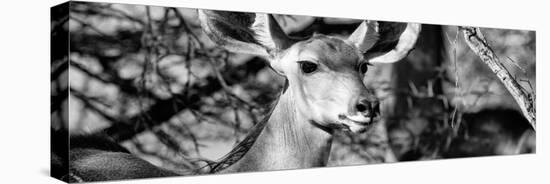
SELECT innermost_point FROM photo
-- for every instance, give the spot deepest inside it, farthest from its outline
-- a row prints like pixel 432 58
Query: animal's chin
pixel 356 124
pixel 352 124
pixel 354 127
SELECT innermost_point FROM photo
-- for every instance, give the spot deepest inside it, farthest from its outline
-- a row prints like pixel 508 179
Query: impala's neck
pixel 288 141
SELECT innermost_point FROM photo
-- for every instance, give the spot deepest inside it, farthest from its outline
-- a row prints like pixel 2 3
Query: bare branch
pixel 475 40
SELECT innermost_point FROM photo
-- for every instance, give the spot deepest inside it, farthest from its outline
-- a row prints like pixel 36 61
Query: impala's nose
pixel 368 108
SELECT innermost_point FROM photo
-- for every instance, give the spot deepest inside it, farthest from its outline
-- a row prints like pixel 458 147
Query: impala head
pixel 324 73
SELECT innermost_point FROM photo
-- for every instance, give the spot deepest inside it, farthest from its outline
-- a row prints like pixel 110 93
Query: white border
pixel 25 83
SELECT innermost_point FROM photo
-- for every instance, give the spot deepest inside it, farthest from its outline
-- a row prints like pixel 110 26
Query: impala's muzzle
pixel 366 112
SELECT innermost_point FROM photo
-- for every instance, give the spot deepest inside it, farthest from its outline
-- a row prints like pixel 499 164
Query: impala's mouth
pixel 360 119
pixel 357 123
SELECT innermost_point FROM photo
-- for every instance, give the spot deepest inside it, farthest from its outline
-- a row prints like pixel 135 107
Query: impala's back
pixel 98 158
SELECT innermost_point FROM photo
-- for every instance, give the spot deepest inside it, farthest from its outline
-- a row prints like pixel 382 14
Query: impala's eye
pixel 308 66
pixel 363 67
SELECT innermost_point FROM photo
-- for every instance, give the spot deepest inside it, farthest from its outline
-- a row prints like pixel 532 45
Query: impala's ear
pixel 395 42
pixel 365 36
pixel 250 33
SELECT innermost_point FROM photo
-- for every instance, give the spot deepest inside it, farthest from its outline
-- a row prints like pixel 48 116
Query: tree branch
pixel 475 40
pixel 161 111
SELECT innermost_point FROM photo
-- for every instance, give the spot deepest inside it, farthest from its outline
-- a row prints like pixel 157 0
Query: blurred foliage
pixel 450 104
pixel 59 90
pixel 149 78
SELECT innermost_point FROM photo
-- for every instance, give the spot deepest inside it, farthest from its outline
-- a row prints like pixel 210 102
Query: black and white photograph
pixel 142 91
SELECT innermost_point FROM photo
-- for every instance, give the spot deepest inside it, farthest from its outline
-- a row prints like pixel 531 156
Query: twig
pixel 458 93
pixel 92 27
pixel 475 40
pixel 516 64
pixel 87 103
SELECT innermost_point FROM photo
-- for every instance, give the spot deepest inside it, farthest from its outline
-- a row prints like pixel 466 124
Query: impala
pixel 323 93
